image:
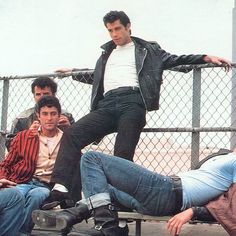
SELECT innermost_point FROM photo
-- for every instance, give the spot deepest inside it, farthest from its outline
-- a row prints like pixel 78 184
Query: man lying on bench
pixel 107 179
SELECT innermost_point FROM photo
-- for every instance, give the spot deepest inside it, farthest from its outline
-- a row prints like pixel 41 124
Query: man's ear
pixel 128 26
pixel 37 114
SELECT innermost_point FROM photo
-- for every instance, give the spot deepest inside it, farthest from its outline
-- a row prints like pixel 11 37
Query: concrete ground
pixel 154 229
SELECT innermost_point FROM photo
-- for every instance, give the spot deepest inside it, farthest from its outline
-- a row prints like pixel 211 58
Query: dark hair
pixel 44 81
pixel 112 16
pixel 48 101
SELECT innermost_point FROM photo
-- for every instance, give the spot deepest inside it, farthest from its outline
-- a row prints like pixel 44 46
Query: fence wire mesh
pixel 167 143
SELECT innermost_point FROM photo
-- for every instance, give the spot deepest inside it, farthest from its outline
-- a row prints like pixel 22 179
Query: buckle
pixel 98 227
pixel 111 207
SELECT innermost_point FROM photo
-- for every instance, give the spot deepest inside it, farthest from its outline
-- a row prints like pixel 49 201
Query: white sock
pixel 60 187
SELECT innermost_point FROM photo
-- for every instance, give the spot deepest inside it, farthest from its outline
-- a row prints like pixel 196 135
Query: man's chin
pixel 50 127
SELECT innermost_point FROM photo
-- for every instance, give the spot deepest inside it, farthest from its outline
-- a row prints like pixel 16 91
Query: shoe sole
pixel 48 221
pixel 61 223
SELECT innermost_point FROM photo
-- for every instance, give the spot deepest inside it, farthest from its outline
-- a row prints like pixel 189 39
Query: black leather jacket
pixel 151 61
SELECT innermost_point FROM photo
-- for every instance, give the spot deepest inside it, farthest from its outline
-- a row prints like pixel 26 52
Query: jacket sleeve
pixel 69 116
pixel 10 159
pixel 83 75
pixel 171 60
pixel 18 125
pixel 15 128
pixel 202 214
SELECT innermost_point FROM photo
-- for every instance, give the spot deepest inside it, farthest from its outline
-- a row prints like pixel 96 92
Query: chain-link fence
pixel 196 115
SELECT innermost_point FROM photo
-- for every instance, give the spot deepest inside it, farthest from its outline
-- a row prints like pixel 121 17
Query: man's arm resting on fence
pixel 82 75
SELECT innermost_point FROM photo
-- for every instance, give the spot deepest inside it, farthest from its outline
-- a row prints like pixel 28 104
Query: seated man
pixel 106 179
pixel 30 161
pixel 27 119
pixel 11 209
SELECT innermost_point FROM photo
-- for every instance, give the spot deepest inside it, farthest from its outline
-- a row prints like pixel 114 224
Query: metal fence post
pixel 5 96
pixel 233 104
pixel 196 104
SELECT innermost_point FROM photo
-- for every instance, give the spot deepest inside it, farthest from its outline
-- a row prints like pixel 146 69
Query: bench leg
pixel 138 228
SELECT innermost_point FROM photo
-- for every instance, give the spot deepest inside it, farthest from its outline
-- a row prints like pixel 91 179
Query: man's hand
pixel 34 128
pixel 218 61
pixel 175 224
pixel 64 70
pixel 4 183
pixel 63 121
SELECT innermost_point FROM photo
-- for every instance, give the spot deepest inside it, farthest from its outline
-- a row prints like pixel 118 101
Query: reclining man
pixel 30 161
pixel 108 179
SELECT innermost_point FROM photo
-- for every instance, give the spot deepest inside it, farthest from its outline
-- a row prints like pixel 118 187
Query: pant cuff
pixel 97 200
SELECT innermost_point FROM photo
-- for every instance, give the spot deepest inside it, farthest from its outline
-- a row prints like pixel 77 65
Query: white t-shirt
pixel 212 179
pixel 120 69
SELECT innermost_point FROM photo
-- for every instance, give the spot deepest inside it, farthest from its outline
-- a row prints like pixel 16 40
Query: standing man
pixel 27 119
pixel 29 163
pixel 126 84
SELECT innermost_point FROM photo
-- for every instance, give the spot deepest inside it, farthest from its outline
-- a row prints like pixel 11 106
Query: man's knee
pixel 91 157
pixel 38 194
pixel 15 196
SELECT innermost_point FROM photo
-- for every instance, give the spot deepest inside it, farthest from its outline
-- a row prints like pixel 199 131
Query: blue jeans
pixel 35 193
pixel 106 179
pixel 11 211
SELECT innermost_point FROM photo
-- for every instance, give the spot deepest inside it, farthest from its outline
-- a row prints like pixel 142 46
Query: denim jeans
pixel 106 178
pixel 35 193
pixel 11 211
pixel 123 112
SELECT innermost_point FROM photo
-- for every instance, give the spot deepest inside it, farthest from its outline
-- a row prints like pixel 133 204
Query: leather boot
pixel 61 219
pixel 72 216
pixel 106 223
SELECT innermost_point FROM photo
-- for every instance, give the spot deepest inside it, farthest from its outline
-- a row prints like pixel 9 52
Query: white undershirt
pixel 120 69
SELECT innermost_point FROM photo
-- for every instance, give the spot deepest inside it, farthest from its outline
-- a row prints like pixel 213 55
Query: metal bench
pixel 138 218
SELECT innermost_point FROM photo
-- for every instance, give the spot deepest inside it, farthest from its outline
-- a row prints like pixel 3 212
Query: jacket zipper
pixel 138 78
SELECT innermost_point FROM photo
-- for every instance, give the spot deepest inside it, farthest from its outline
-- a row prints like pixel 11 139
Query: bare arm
pixel 175 224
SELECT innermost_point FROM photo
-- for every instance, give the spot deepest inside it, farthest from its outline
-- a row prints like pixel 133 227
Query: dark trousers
pixel 123 112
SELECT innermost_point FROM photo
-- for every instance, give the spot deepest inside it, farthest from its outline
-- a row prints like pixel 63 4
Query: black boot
pixel 61 219
pixel 106 223
pixel 72 216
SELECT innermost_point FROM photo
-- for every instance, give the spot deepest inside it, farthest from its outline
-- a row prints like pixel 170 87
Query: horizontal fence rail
pixel 197 114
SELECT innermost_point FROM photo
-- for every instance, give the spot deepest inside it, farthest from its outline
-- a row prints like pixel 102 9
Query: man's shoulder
pixel 25 134
pixel 149 45
pixel 222 151
pixel 143 41
pixel 26 113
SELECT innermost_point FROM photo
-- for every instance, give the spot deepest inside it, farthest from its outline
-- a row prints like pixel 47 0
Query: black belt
pixel 49 185
pixel 177 186
pixel 121 89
